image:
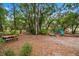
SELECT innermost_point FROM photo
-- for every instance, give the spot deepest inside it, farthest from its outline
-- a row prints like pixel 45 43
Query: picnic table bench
pixel 10 37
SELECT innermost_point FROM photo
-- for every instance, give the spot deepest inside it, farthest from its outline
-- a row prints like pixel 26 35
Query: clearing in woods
pixel 47 45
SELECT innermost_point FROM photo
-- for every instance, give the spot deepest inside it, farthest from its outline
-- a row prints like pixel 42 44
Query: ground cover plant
pixel 2 40
pixel 9 52
pixel 26 50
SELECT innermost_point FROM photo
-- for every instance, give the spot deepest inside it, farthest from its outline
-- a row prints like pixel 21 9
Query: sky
pixel 8 5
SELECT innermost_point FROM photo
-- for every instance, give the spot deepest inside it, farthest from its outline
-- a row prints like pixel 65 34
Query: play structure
pixel 60 31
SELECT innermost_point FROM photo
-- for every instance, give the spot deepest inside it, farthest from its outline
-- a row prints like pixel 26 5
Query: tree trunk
pixel 14 16
pixel 75 29
pixel 35 18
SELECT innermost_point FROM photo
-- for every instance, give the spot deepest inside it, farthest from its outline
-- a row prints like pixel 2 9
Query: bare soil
pixel 45 45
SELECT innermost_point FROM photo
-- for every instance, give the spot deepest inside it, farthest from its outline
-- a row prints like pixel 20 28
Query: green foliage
pixel 44 31
pixel 6 32
pixel 26 49
pixel 13 32
pixel 32 16
pixel 33 31
pixel 1 33
pixel 9 52
pixel 54 30
pixel 2 40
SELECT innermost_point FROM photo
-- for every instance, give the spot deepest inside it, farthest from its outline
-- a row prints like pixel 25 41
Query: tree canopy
pixel 39 18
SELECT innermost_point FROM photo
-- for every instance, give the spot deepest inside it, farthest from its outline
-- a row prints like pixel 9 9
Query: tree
pixel 3 13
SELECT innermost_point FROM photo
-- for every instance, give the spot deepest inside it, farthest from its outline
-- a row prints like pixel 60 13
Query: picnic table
pixel 9 37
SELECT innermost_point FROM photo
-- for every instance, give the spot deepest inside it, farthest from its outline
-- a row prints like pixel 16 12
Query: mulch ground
pixel 42 46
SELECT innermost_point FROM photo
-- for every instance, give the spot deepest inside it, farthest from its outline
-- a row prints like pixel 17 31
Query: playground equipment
pixel 60 31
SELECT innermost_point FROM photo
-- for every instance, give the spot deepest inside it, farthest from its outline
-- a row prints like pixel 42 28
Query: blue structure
pixel 61 31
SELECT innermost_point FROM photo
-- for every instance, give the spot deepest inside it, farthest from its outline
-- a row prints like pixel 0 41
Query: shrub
pixel 6 32
pixel 26 50
pixel 13 32
pixel 9 52
pixel 1 46
pixel 1 33
pixel 44 31
pixel 2 40
pixel 33 31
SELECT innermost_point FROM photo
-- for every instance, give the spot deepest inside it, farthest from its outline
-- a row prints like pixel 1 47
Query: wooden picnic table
pixel 9 37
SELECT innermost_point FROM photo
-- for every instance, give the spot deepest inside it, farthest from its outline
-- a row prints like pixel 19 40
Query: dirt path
pixel 44 45
pixel 72 42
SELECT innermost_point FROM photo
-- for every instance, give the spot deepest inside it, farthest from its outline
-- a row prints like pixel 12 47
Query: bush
pixel 1 46
pixel 13 32
pixel 26 50
pixel 9 52
pixel 33 31
pixel 1 33
pixel 6 32
pixel 2 40
pixel 44 31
